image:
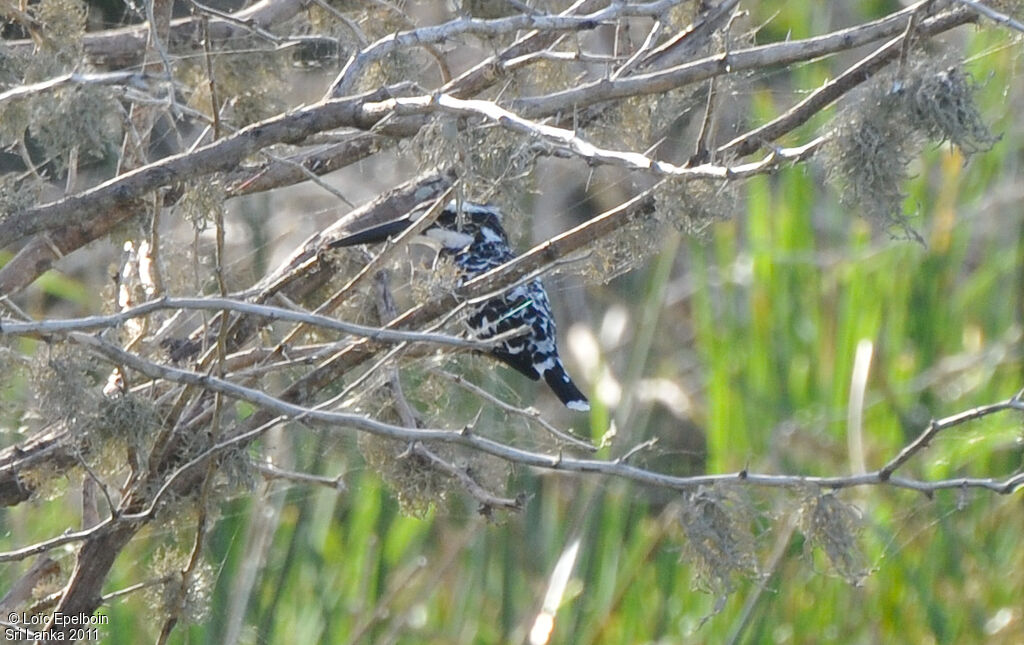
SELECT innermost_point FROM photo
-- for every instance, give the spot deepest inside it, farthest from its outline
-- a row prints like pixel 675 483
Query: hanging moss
pixel 888 126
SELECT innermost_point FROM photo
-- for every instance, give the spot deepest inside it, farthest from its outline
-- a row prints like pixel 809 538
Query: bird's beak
pixel 378 233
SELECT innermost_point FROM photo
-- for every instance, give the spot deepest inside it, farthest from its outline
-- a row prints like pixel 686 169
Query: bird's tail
pixel 563 387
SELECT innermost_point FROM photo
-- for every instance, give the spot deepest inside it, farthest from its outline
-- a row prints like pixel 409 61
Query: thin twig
pixel 345 20
pixel 111 507
pixel 272 472
pixel 938 425
pixel 159 28
pixel 486 499
pixel 210 81
pixel 640 447
pixel 992 14
pixel 753 58
pixel 819 99
pixel 138 586
pixel 685 44
pixel 67 537
pixel 134 78
pixel 910 33
pixel 701 152
pixel 123 45
pixel 642 50
pixel 434 34
pixel 310 175
pixel 531 414
pixel 246 25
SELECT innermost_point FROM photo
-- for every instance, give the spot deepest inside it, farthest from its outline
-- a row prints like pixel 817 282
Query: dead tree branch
pixel 126 45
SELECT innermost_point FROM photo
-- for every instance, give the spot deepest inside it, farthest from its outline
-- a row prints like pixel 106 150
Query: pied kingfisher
pixel 476 242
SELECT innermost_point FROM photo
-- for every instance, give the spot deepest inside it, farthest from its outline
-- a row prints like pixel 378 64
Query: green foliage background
pixel 781 296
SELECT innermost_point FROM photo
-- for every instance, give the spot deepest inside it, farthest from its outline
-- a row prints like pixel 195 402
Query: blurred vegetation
pixel 755 324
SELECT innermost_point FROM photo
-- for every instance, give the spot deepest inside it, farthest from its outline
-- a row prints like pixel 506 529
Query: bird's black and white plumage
pixel 475 241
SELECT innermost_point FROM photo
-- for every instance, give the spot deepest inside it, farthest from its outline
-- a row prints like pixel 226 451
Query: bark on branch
pixel 126 45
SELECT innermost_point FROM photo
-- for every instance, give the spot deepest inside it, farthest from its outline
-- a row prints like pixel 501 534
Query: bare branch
pixel 138 586
pixel 486 499
pixel 21 591
pixel 127 44
pixel 818 100
pixel 134 78
pixel 568 141
pixel 439 33
pixel 67 537
pixel 219 155
pixel 683 45
pixel 361 112
pixel 285 171
pixel 549 462
pixel 531 414
pixel 44 447
pixel 937 426
pixel 268 312
pixel 737 61
pixel 39 254
pixel 493 68
pixel 271 472
pixel 992 14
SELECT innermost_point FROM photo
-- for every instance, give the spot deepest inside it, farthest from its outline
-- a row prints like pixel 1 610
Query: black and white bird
pixel 474 239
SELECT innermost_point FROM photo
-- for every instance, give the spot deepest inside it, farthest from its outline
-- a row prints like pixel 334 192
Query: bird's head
pixel 473 224
pixel 457 227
